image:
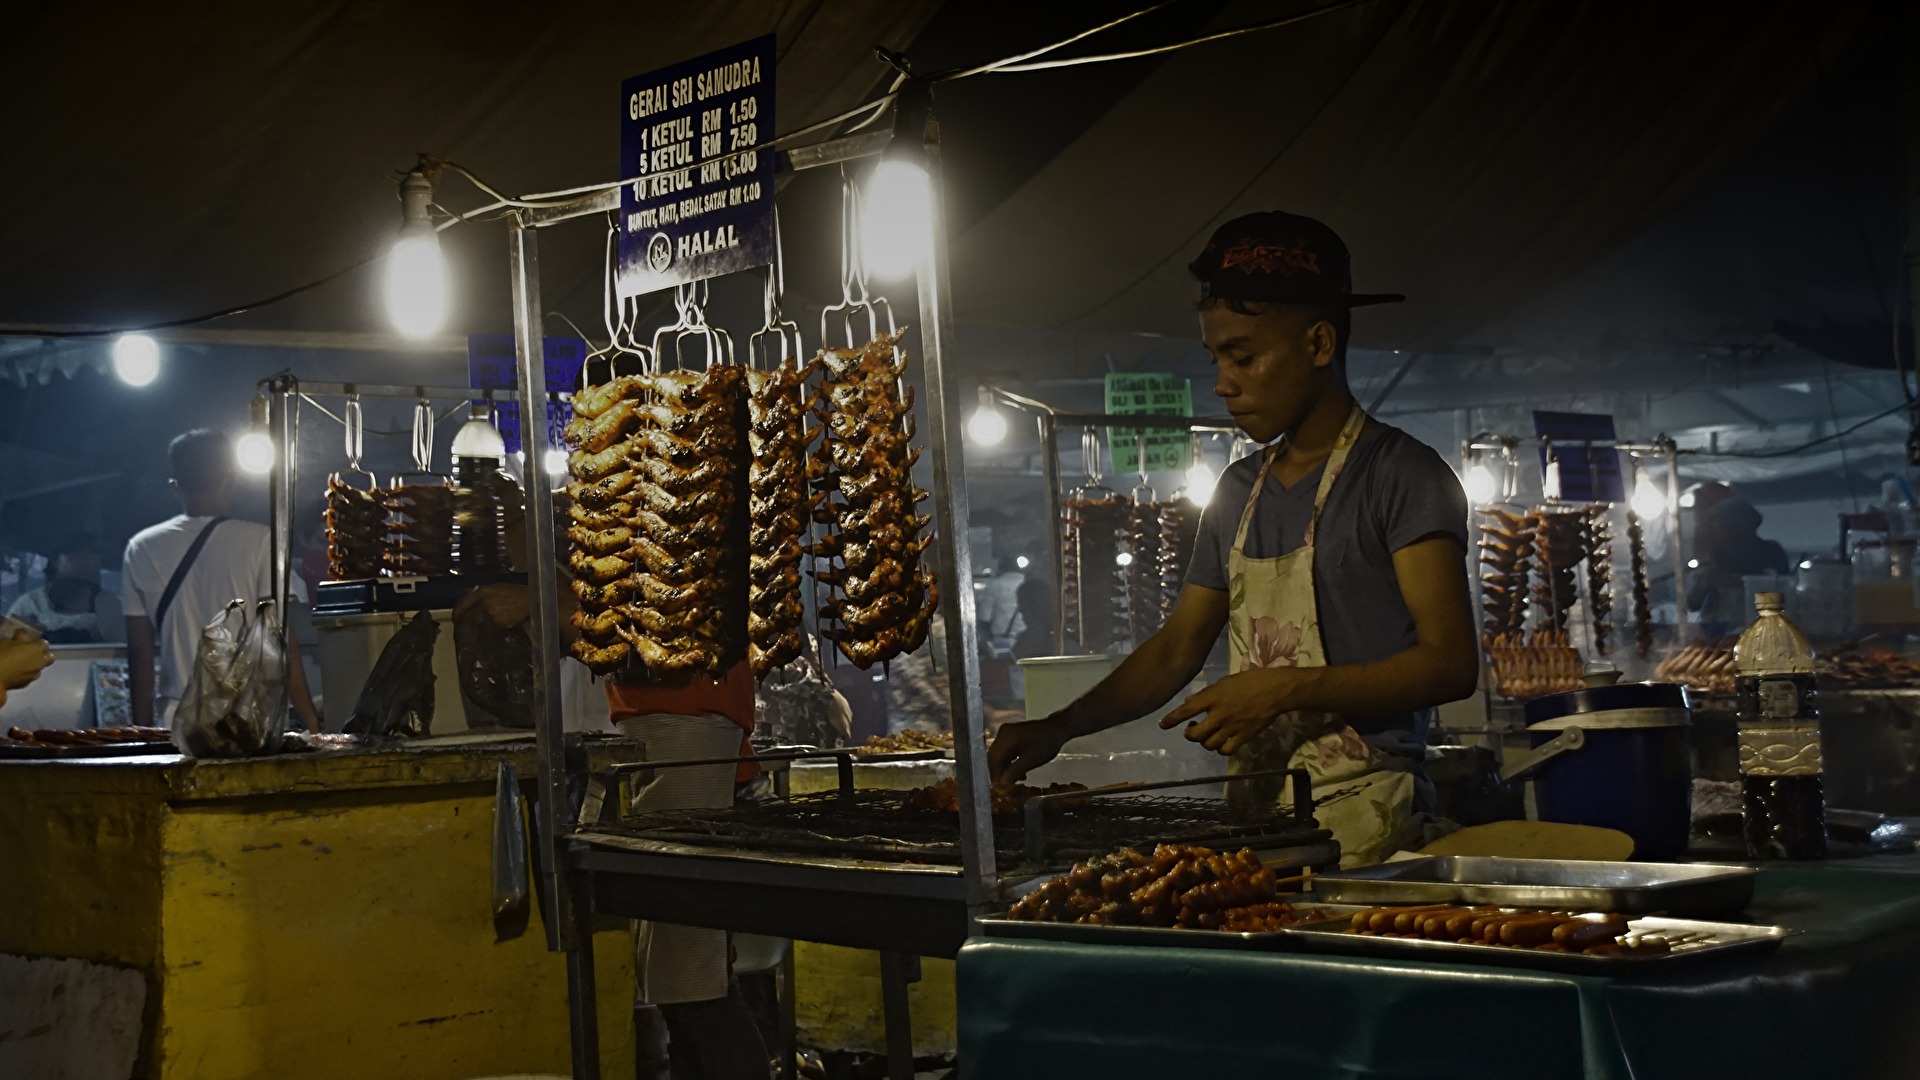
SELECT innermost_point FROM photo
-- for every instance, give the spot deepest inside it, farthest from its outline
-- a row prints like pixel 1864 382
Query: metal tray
pixel 1725 940
pixel 1690 890
pixel 1163 936
pixel 25 752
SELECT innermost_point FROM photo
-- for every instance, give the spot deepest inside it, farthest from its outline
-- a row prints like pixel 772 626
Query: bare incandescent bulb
pixel 416 269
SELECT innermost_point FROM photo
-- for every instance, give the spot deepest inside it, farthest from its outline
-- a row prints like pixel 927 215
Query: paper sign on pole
pixel 699 203
pixel 1149 394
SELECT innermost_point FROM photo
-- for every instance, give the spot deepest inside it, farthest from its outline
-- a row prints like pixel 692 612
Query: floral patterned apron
pixel 1273 620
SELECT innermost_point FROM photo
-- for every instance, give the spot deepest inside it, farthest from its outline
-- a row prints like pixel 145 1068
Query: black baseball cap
pixel 1280 258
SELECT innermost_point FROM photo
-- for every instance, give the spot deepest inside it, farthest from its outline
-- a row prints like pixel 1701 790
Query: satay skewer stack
pixel 882 600
pixel 356 530
pixel 779 510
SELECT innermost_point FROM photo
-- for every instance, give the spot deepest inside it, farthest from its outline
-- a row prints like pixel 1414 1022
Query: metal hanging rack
pixel 573 878
pixel 1504 448
pixel 1049 418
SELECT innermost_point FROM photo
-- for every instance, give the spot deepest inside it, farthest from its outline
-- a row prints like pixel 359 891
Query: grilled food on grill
pixel 908 741
pixel 422 530
pixel 1006 798
pixel 1177 886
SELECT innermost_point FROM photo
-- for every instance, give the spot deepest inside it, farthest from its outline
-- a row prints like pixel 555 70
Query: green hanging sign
pixel 1153 393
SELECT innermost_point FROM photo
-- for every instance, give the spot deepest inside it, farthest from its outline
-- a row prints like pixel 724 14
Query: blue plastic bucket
pixel 1633 772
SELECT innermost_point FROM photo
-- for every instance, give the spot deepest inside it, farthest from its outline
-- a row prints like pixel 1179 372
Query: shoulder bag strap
pixel 180 575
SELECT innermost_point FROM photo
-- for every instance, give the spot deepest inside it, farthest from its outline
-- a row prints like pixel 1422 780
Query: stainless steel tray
pixel 1683 890
pixel 1722 940
pixel 1163 936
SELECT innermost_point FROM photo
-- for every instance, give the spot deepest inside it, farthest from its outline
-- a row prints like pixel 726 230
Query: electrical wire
pixel 1803 447
pixel 1002 64
pixel 1155 50
pixel 338 419
pixel 193 320
pixel 864 113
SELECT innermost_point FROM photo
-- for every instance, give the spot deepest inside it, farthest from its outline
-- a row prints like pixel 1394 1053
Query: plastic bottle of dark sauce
pixel 1779 716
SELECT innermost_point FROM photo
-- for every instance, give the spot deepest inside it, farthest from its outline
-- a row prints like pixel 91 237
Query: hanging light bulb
pixel 1648 501
pixel 136 359
pixel 555 461
pixel 896 216
pixel 416 269
pixel 1481 485
pixel 253 451
pixel 1200 482
pixel 1022 561
pixel 987 427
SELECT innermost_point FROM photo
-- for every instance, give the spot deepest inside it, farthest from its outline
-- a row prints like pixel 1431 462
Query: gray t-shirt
pixel 1396 490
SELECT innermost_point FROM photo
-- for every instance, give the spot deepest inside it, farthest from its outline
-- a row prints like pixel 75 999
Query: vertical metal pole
pixel 956 560
pixel 1056 537
pixel 280 495
pixel 1680 634
pixel 574 928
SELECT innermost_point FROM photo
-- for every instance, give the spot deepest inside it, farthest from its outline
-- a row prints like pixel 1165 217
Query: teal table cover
pixel 1840 1000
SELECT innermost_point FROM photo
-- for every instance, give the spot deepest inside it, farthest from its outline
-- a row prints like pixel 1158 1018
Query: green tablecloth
pixel 1840 1000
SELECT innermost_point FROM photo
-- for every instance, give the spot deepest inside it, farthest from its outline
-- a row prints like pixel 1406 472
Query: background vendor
pixel 1340 577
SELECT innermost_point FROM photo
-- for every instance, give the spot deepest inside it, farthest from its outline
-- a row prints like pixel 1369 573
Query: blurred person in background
pixel 998 609
pixel 181 573
pixel 72 608
pixel 1730 549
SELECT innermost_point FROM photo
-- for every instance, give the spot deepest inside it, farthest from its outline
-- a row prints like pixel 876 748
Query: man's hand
pixel 22 660
pixel 505 606
pixel 1021 748
pixel 1241 706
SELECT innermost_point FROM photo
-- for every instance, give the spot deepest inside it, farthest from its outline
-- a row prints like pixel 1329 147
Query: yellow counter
pixel 307 917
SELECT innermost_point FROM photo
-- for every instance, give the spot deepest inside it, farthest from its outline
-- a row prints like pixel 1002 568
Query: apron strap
pixel 1335 465
pixel 1336 462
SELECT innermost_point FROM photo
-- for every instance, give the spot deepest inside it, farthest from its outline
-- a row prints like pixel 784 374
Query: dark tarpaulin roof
pixel 1472 154
pixel 166 161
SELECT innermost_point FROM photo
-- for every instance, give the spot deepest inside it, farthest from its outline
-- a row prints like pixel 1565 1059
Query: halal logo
pixel 659 253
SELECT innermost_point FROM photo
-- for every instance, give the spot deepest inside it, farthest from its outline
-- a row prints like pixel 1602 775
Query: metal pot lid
pixel 1646 700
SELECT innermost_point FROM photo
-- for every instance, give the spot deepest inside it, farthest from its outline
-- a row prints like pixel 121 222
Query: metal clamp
pixel 1572 738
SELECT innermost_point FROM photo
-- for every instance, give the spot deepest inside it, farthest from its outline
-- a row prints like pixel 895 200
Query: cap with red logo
pixel 1280 258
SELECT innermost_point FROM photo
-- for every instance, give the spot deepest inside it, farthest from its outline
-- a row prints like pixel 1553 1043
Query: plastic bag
pixel 496 666
pixel 397 700
pixel 235 702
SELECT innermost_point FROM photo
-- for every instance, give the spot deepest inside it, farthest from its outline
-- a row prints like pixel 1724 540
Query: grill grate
pixel 878 825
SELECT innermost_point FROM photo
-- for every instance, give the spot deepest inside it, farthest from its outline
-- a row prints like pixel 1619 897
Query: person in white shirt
pixel 224 560
pixel 72 607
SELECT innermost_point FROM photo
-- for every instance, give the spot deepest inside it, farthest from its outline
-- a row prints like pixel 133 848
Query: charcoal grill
pixel 862 868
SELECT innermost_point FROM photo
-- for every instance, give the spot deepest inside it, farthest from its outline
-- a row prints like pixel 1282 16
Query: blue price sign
pixel 490 366
pixel 699 203
pixel 1574 471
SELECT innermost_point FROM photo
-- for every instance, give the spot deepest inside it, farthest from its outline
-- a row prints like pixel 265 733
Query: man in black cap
pixel 1339 576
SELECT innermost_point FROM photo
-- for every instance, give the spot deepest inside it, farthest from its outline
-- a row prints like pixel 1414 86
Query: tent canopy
pixel 1471 153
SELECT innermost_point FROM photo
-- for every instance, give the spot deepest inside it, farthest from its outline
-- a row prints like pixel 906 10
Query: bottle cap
pixel 1767 601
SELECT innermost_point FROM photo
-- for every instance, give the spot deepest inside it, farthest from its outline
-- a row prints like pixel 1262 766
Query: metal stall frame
pixel 283 425
pixel 1050 419
pixel 561 772
pixel 1663 448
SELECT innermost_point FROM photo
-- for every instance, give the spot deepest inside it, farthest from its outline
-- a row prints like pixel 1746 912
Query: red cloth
pixel 730 696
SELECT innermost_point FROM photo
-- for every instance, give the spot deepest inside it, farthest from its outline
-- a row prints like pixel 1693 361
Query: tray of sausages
pixel 1597 942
